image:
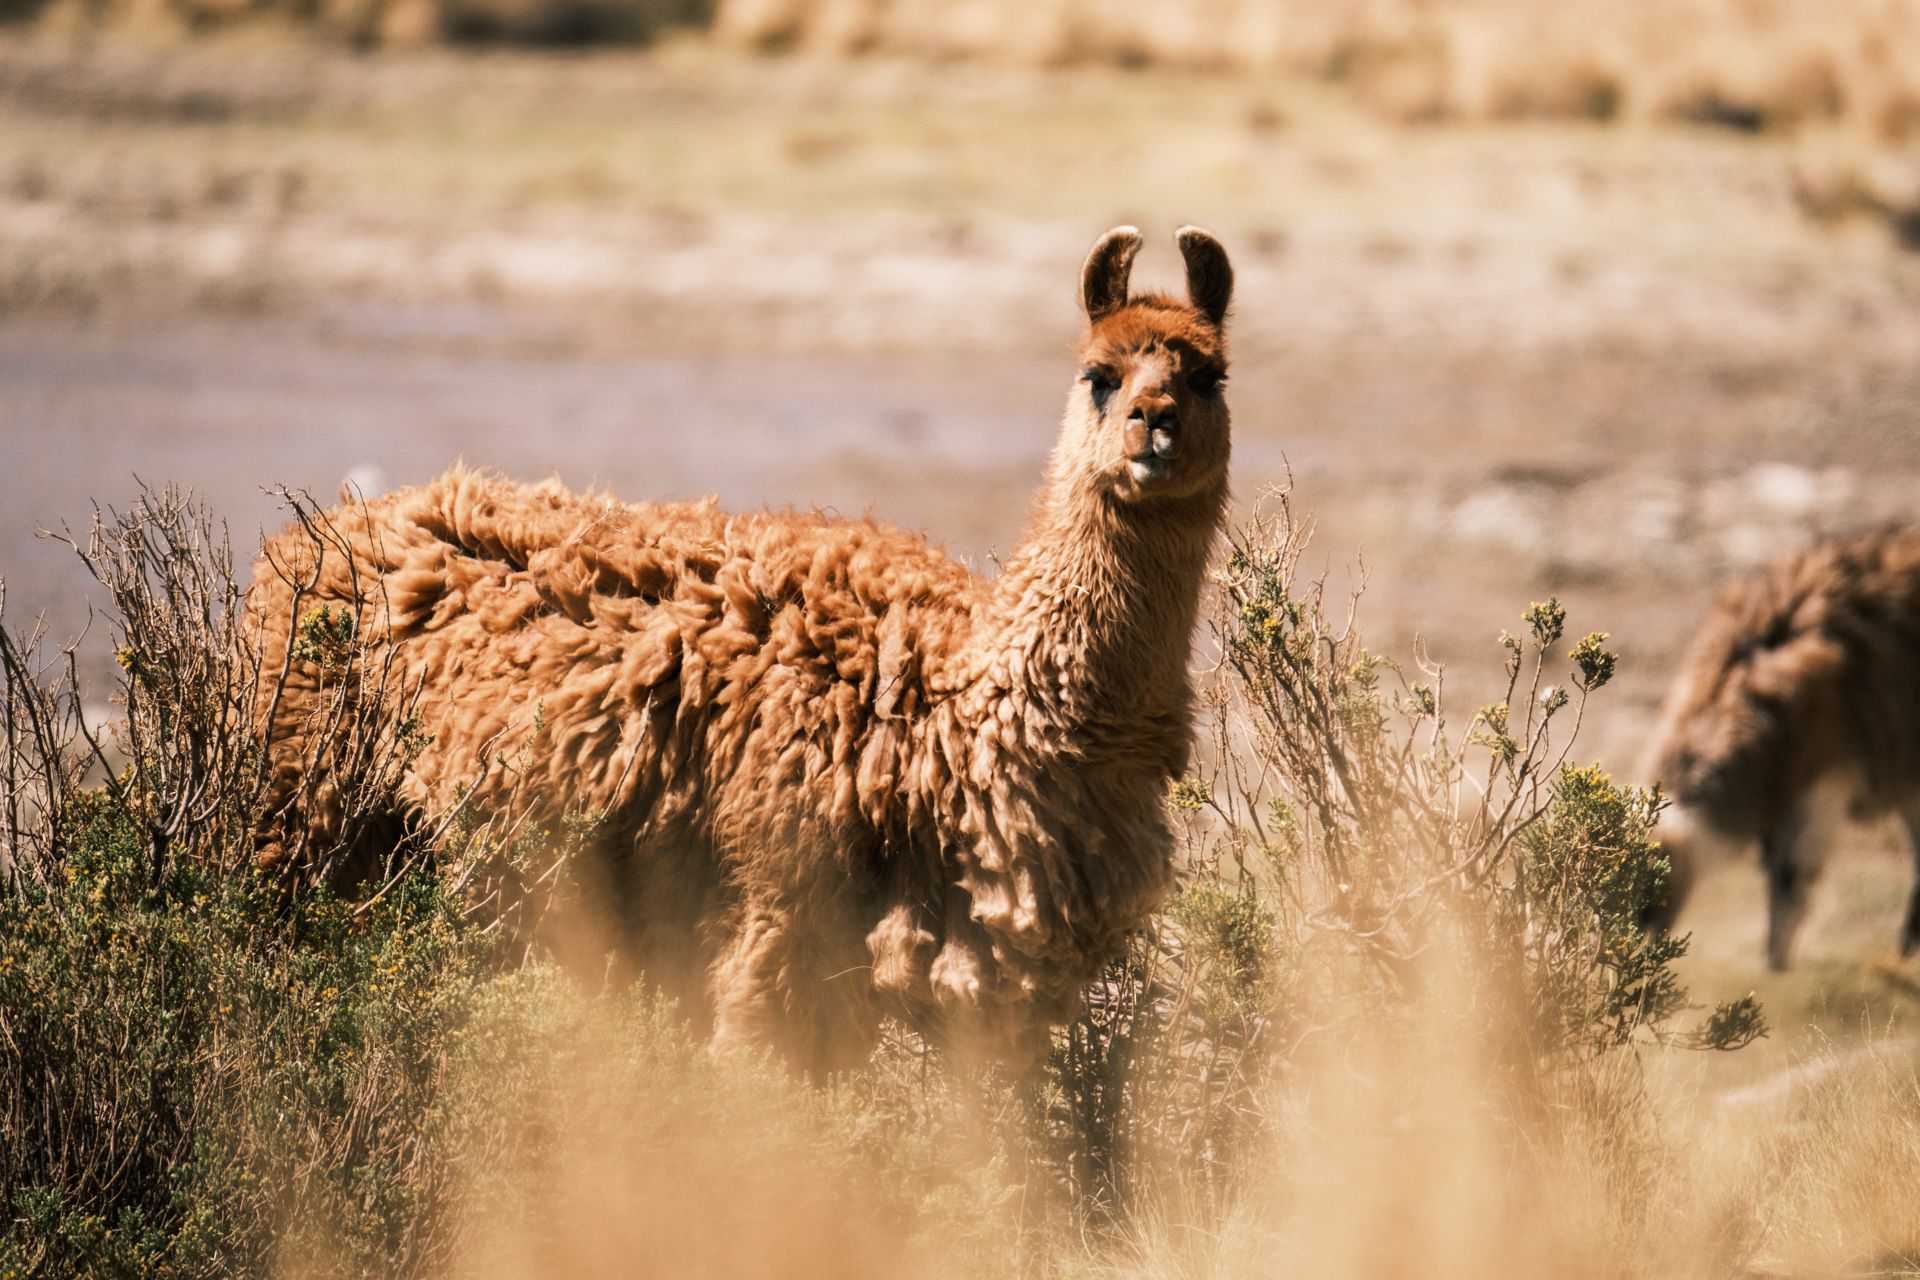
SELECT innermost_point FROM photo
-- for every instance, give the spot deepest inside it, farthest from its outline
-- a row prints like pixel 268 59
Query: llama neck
pixel 1095 612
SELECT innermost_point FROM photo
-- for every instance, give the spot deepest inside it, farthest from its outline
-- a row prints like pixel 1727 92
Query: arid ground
pixel 1620 362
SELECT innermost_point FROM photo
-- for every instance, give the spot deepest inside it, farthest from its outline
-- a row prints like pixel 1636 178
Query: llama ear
pixel 1209 274
pixel 1789 672
pixel 1103 281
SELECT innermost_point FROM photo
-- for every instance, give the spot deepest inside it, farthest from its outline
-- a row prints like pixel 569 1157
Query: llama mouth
pixel 1149 467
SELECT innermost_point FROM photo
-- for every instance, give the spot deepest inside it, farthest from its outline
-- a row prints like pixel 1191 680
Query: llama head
pixel 1147 419
pixel 1754 715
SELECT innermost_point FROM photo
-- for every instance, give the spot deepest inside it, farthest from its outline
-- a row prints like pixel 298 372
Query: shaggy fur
pixel 1798 703
pixel 843 777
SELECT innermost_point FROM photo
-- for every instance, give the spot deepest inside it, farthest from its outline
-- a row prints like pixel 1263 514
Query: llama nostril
pixel 1152 425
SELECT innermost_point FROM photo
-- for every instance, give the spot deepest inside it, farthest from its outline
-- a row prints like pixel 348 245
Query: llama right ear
pixel 1209 274
pixel 1103 281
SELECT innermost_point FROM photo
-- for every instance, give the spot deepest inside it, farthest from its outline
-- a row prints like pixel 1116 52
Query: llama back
pixel 589 656
pixel 1809 667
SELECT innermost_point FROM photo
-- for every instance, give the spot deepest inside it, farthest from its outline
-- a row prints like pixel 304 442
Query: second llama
pixel 1797 706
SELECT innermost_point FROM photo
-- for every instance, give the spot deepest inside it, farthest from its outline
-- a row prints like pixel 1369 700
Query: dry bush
pixel 194 765
pixel 1394 1015
pixel 152 986
pixel 199 705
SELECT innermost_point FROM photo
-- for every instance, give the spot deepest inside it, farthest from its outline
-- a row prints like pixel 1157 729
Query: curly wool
pixel 842 777
pixel 1808 668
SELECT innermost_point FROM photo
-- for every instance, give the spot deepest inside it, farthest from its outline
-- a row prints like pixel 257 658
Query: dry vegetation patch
pixel 1399 1016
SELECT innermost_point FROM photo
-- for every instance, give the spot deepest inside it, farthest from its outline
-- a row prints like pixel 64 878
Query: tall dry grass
pixel 1843 73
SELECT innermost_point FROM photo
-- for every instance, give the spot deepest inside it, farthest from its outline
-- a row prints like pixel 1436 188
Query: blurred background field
pixel 1611 301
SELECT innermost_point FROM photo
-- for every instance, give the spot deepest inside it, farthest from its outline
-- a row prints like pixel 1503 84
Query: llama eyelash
pixel 1102 384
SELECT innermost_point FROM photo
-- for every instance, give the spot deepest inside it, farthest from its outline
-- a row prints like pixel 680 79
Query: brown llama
pixel 842 776
pixel 1797 705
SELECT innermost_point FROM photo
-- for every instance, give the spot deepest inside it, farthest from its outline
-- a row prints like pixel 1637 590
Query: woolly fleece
pixel 843 777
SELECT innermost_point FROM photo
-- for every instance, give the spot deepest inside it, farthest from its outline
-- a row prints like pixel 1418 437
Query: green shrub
pixel 219 1079
pixel 1358 873
pixel 204 1073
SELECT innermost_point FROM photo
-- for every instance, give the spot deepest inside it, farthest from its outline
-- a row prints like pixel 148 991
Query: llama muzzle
pixel 1152 438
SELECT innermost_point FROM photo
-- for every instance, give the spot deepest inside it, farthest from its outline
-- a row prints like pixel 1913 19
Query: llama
pixel 840 777
pixel 1797 705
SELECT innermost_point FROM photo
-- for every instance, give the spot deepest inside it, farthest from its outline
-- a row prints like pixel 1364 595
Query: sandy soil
pixel 1616 363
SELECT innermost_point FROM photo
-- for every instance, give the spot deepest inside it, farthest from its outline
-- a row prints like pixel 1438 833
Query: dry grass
pixel 1746 65
pixel 1847 73
pixel 1399 1022
pixel 1396 1169
pixel 689 196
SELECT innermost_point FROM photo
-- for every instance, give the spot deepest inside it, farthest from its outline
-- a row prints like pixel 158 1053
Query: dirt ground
pixel 1618 363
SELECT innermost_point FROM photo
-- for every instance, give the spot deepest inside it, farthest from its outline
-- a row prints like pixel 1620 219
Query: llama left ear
pixel 1209 274
pixel 1103 281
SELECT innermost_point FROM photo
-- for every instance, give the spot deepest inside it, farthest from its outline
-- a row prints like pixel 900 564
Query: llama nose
pixel 1154 425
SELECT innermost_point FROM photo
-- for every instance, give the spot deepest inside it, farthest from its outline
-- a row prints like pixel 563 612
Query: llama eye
pixel 1207 382
pixel 1103 384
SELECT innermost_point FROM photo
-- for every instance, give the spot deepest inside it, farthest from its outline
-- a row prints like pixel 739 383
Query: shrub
pixel 1359 872
pixel 203 1074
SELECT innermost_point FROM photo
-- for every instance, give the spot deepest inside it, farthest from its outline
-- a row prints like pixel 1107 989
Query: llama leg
pixel 1786 894
pixel 666 890
pixel 1910 930
pixel 779 986
pixel 1793 854
pixel 748 980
